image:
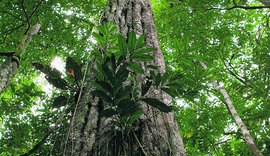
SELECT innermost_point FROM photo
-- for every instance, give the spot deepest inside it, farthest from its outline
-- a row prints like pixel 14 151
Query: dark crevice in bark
pixel 100 108
pixel 86 117
pixel 141 21
pixel 124 16
pixel 132 21
pixel 84 126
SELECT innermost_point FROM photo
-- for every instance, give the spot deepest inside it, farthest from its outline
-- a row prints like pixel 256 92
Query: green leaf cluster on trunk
pixel 116 76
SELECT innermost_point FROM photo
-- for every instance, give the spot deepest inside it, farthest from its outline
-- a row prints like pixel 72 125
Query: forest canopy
pixel 207 45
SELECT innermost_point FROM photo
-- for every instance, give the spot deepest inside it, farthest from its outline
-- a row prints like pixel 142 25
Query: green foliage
pixel 233 43
pixel 226 40
pixel 26 106
pixel 116 75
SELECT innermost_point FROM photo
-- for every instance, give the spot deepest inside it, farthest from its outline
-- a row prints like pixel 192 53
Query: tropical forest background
pixel 232 37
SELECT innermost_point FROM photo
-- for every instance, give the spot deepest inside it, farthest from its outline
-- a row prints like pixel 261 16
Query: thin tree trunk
pixel 157 134
pixel 10 66
pixel 248 138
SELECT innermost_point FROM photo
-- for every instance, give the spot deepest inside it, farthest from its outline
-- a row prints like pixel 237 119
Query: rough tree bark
pixel 157 134
pixel 248 138
pixel 7 70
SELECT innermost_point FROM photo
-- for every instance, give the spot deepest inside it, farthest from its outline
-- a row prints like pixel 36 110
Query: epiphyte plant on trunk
pixel 114 67
pixel 119 63
pixel 118 66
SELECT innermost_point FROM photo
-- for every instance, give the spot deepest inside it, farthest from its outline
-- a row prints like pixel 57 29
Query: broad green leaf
pixel 98 74
pixel 121 59
pixel 170 91
pixel 105 85
pixel 122 44
pixel 135 67
pixel 140 42
pixel 107 73
pixel 111 27
pixel 152 67
pixel 143 51
pixel 157 79
pixel 142 57
pixel 145 87
pixel 113 38
pixel 157 104
pixel 164 78
pixel 131 41
pixel 122 73
pixel 102 30
pixel 187 62
pixel 102 95
pixel 113 61
pixel 123 94
pixel 100 40
pixel 107 60
pixel 135 116
pixel 122 78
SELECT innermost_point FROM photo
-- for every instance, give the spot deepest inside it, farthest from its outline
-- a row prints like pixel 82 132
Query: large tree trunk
pixel 157 134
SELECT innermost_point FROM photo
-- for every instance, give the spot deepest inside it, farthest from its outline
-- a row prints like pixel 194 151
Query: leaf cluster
pixel 116 77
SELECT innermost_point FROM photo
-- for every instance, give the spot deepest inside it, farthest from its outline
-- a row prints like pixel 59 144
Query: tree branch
pixel 26 17
pixel 234 73
pixel 241 7
pixel 38 5
pixel 30 16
